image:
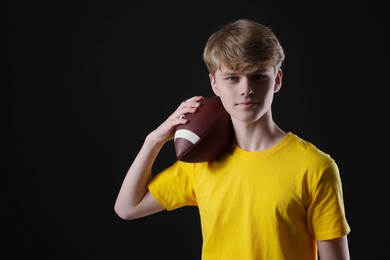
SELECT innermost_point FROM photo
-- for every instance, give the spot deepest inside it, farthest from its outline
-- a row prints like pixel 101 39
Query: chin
pixel 246 119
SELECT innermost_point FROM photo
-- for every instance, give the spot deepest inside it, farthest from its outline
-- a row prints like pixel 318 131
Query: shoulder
pixel 306 150
pixel 180 171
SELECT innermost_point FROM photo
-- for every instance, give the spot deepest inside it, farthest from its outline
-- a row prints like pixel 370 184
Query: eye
pixel 232 78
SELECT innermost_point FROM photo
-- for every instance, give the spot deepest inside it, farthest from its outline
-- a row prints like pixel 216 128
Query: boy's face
pixel 247 96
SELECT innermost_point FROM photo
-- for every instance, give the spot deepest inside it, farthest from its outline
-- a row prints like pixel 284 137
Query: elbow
pixel 122 212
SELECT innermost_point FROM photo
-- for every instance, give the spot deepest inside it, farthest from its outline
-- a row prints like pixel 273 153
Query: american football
pixel 207 135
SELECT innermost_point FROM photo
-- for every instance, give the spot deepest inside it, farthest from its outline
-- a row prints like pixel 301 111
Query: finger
pixel 192 102
pixel 190 105
pixel 195 98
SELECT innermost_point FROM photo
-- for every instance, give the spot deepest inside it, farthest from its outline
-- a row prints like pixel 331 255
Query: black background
pixel 82 83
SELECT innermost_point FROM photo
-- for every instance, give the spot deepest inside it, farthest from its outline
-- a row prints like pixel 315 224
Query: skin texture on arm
pixel 134 199
pixel 334 249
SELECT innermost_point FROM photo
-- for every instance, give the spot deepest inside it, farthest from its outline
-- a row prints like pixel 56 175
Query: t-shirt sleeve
pixel 173 187
pixel 326 214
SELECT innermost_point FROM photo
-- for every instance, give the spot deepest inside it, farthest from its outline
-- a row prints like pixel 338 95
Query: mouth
pixel 247 103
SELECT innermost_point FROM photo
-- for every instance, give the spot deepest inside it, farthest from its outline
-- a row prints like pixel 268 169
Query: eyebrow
pixel 229 73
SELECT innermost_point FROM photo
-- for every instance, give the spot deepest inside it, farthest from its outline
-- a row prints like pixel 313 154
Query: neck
pixel 258 135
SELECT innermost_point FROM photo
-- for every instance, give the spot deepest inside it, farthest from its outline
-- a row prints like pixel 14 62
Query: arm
pixel 334 249
pixel 134 199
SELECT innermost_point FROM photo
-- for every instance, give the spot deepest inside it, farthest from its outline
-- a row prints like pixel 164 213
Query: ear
pixel 214 85
pixel 278 80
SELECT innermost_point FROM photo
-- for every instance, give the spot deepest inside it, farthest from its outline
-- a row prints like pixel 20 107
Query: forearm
pixel 135 184
pixel 131 201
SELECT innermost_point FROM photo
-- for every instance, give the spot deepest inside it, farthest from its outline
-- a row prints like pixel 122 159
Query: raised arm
pixel 134 200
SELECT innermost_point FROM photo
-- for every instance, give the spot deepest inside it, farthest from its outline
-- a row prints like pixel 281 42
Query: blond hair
pixel 243 45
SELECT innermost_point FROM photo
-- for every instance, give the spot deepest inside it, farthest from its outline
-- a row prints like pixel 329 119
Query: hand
pixel 165 132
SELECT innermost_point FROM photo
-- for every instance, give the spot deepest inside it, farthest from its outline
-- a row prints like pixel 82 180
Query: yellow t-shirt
pixel 271 204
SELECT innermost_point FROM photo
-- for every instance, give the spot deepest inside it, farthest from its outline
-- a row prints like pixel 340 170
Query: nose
pixel 246 88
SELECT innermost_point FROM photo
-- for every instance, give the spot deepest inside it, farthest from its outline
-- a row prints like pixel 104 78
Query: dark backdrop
pixel 82 83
